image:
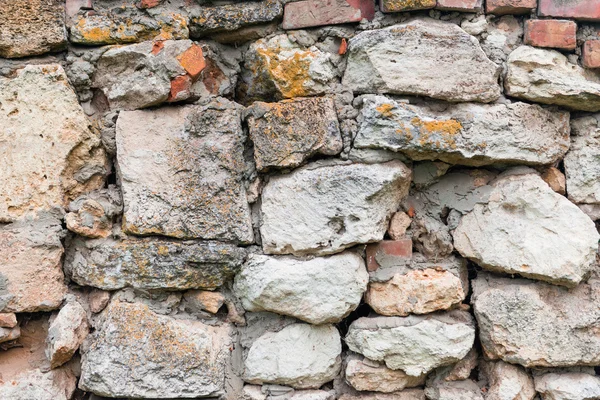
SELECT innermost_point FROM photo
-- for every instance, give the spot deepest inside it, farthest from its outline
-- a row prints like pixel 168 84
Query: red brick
pixel 501 7
pixel 578 9
pixel 306 13
pixel 555 33
pixel 591 54
pixel 149 3
pixel 388 6
pixel 388 253
pixel 460 5
pixel 192 60
pixel 180 88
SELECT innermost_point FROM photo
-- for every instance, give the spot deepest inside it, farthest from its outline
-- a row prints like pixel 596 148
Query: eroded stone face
pixel 507 381
pixel 323 209
pixel 414 344
pixel 581 162
pixel 135 352
pixel 155 263
pixel 184 179
pixel 567 386
pixel 31 27
pixel 66 333
pixel 527 228
pixel 319 290
pixel 31 277
pixel 50 156
pixel 285 134
pixel 461 71
pixel 468 134
pixel 408 394
pixel 536 324
pixel 367 375
pixel 547 77
pixel 300 355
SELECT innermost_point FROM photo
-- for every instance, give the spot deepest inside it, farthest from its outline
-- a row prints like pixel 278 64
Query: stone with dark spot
pixel 287 133
pixel 151 263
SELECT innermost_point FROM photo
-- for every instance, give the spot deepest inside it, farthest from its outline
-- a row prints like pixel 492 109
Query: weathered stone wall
pixel 299 199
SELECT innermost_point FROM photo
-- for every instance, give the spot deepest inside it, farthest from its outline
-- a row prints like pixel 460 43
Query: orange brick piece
pixel 192 60
pixel 591 54
pixel 306 13
pixel 388 253
pixel 180 88
pixel 460 5
pixel 555 33
pixel 405 5
pixel 577 9
pixel 501 7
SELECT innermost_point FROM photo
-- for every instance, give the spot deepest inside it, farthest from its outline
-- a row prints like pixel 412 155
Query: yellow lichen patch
pixel 447 129
pixel 406 5
pixel 290 73
pixel 94 34
pixel 385 109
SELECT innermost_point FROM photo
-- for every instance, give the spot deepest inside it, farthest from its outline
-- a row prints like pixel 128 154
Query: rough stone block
pixel 581 162
pixel 567 386
pixel 66 333
pixel 559 34
pixel 307 13
pixel 151 263
pixel 323 209
pixel 502 7
pixel 31 27
pixel 367 375
pixel 388 6
pixel 407 394
pixel 577 9
pixel 460 5
pixel 591 54
pixel 287 133
pixel 386 253
pixel 185 178
pixel 49 154
pixel 137 353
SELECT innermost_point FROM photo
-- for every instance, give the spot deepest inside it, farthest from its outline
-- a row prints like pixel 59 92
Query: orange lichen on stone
pixel 406 5
pixel 385 109
pixel 291 73
pixel 448 129
pixel 192 60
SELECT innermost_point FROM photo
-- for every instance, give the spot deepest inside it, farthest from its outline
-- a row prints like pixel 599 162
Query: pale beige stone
pixel 205 300
pixel 90 220
pixel 462 369
pixel 66 333
pixel 49 154
pixel 98 300
pixel 8 320
pixel 398 225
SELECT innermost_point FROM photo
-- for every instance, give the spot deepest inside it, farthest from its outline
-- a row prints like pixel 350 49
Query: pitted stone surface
pixel 414 344
pixel 185 179
pixel 468 134
pixel 507 381
pixel 319 290
pixel 49 154
pixel 152 263
pixel 527 228
pixel 439 60
pixel 581 162
pixel 568 386
pixel 367 375
pixel 135 352
pixel 350 204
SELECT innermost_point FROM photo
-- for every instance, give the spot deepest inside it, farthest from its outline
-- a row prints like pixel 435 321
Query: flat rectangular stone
pixel 181 171
pixel 460 5
pixel 554 33
pixel 591 54
pixel 386 253
pixel 501 7
pixel 388 6
pixel 577 9
pixel 306 13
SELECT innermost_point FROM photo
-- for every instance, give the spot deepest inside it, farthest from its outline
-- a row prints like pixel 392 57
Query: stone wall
pixel 299 200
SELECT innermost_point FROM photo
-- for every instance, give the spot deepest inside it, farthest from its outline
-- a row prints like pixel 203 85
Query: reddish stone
pixel 578 9
pixel 149 3
pixel 343 47
pixel 157 46
pixel 180 88
pixel 386 252
pixel 501 7
pixel 555 33
pixel 306 13
pixel 387 6
pixel 591 54
pixel 192 60
pixel 460 5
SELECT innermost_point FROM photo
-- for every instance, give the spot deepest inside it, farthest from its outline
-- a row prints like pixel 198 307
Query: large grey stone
pixel 31 27
pixel 547 76
pixel 581 162
pixel 527 228
pixel 536 324
pixel 285 134
pixel 319 290
pixel 49 154
pixel 323 209
pixel 507 381
pixel 137 353
pixel 469 134
pixel 151 263
pixel 422 57
pixel 31 276
pixel 185 178
pixel 568 386
pixel 414 344
pixel 300 355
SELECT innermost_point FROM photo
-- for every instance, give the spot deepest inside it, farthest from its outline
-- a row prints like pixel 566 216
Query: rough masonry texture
pixel 299 199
